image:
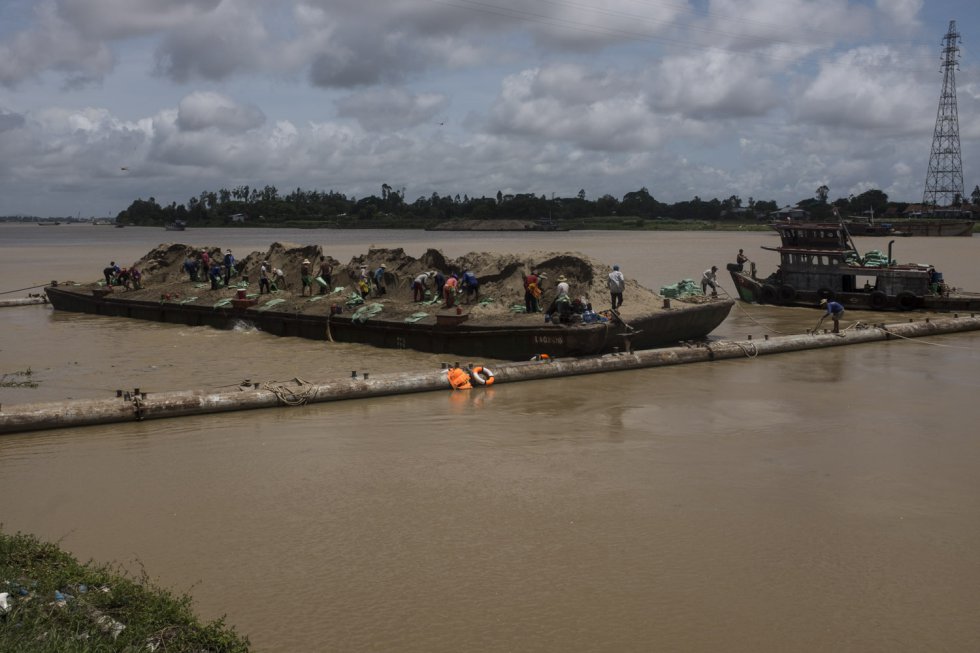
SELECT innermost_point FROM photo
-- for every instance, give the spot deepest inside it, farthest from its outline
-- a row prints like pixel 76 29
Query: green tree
pixel 822 194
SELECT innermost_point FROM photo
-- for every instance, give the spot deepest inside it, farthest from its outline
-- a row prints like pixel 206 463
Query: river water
pixel 814 501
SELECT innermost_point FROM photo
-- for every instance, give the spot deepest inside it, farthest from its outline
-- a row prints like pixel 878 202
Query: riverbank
pixel 51 603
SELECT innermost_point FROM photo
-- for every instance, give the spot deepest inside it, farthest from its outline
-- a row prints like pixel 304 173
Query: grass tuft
pixel 58 605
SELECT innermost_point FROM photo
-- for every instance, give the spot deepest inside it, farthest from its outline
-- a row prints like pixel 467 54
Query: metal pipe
pixel 26 301
pixel 143 406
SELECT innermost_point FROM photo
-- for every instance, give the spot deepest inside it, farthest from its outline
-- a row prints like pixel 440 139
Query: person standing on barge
pixel 325 272
pixel 617 284
pixel 305 277
pixel 709 278
pixel 532 291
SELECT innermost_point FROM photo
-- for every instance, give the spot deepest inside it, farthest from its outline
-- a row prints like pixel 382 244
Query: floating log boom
pixel 137 405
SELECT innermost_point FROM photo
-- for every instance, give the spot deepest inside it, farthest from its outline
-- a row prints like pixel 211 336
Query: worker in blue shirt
pixel 471 286
pixel 834 311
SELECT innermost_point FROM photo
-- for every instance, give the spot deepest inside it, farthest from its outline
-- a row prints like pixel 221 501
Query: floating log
pixel 24 301
pixel 138 405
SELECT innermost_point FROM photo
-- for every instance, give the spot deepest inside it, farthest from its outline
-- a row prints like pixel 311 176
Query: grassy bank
pixel 55 604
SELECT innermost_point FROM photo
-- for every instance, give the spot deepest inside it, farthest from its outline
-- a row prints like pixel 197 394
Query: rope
pixel 749 315
pixel 748 354
pixel 8 292
pixel 292 396
pixel 924 342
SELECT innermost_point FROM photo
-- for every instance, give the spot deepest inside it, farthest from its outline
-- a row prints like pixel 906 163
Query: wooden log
pixel 142 406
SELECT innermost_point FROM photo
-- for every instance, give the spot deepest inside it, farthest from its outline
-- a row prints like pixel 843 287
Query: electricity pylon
pixel 944 181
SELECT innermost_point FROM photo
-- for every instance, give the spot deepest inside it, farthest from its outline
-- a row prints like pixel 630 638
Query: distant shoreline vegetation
pixel 636 210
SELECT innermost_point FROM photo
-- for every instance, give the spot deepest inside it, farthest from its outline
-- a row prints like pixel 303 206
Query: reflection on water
pixel 822 500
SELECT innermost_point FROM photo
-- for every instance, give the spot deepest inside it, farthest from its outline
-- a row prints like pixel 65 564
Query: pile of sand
pixel 500 275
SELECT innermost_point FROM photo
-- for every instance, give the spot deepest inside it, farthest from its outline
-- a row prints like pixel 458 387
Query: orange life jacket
pixel 459 379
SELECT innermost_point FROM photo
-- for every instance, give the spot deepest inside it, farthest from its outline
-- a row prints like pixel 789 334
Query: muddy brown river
pixel 814 501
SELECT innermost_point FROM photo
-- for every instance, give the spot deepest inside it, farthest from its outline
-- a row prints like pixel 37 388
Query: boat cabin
pixel 820 257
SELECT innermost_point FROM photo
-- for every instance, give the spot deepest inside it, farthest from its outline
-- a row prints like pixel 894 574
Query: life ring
pixel 878 299
pixel 540 357
pixel 827 293
pixel 786 294
pixel 767 295
pixel 906 300
pixel 482 376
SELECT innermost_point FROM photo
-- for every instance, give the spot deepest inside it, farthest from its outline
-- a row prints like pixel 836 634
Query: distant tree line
pixel 312 208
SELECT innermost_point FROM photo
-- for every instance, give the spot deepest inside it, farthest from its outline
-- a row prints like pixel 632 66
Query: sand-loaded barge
pixel 492 323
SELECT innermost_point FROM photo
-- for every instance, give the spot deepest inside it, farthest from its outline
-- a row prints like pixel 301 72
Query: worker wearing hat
pixel 306 276
pixel 562 287
pixel 835 311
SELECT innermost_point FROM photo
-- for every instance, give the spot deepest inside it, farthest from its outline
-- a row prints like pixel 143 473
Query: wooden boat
pixel 176 225
pixel 866 226
pixel 937 222
pixel 447 332
pixel 819 261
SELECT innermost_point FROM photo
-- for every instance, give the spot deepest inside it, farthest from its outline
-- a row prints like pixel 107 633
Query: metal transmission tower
pixel 944 181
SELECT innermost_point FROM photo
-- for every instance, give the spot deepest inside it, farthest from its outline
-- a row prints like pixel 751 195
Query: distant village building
pixel 238 217
pixel 789 213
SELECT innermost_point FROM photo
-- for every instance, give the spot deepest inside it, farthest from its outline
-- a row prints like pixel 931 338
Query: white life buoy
pixel 482 376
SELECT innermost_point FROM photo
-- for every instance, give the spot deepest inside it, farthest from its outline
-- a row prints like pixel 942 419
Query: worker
pixel 617 284
pixel 532 292
pixel 306 277
pixel 325 272
pixel 264 270
pixel 835 311
pixel 562 287
pixel 379 280
pixel 741 260
pixel 449 290
pixel 229 266
pixel 709 278
pixel 110 272
pixel 471 286
pixel 419 287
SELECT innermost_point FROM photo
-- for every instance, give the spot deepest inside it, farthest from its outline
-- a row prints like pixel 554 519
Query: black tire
pixel 767 295
pixel 786 294
pixel 878 300
pixel 906 301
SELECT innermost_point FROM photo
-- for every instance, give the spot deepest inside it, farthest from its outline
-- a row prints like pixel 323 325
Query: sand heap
pixel 500 275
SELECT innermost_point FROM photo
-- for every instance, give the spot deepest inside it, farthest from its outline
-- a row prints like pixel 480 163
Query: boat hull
pixel 759 291
pixel 510 342
pixel 934 228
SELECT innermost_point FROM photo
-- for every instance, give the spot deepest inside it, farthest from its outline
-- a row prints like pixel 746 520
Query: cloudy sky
pixel 105 101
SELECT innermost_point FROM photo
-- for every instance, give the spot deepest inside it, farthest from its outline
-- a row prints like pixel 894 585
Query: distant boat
pixel 48 224
pixel 176 225
pixel 119 225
